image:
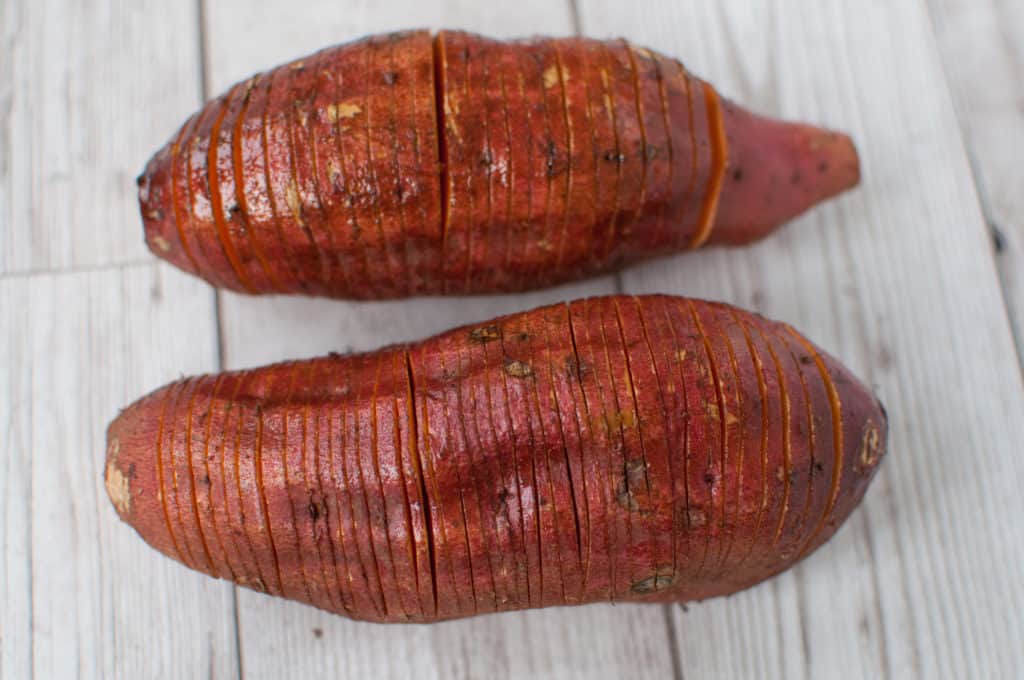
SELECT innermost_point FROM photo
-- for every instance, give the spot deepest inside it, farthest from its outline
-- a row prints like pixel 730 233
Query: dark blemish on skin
pixel 823 167
pixel 636 470
pixel 652 584
pixel 554 165
pixel 806 360
pixel 652 151
pixel 503 496
pixel 709 478
pixel 314 511
pixel 140 180
pixel 576 368
pixel 626 501
pixel 795 178
pixel 205 480
pixel 486 159
pixel 485 334
pixel 390 77
pixel 614 157
pixel 633 476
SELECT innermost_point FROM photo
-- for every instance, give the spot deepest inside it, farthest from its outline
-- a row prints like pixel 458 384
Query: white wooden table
pixel 900 278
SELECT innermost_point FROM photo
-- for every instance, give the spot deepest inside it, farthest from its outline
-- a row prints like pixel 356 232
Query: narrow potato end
pixel 864 433
pixel 156 205
pixel 865 424
pixel 131 475
pixel 776 171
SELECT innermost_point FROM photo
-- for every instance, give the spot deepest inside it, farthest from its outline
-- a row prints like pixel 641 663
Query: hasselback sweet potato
pixel 408 164
pixel 619 448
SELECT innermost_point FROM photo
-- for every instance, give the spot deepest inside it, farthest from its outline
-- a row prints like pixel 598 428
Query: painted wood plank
pixel 87 91
pixel 899 280
pixel 983 55
pixel 280 638
pixel 15 485
pixel 81 594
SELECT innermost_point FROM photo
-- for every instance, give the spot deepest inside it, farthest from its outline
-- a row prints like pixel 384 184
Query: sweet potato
pixel 611 449
pixel 407 164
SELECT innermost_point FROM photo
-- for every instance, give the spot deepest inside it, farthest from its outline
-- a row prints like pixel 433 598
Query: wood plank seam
pixel 984 197
pixel 204 94
pixel 619 287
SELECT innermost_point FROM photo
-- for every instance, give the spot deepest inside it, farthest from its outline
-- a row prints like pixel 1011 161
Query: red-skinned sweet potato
pixel 620 448
pixel 406 164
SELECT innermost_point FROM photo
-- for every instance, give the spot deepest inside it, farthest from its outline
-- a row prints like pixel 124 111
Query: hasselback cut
pixel 409 164
pixel 612 449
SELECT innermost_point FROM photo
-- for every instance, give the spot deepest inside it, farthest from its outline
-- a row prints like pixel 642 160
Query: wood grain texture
pixel 983 55
pixel 83 93
pixel 81 597
pixel 895 279
pixel 898 279
pixel 279 637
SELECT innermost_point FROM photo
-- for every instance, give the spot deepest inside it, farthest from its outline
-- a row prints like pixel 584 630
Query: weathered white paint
pixel 897 278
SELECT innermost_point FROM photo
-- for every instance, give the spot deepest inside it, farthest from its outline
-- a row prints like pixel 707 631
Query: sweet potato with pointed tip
pixel 612 449
pixel 406 164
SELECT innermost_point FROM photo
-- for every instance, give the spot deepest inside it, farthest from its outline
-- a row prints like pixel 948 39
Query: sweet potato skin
pixel 612 449
pixel 410 164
